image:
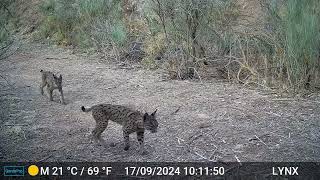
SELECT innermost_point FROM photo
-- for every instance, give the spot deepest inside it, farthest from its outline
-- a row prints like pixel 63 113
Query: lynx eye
pixel 154 123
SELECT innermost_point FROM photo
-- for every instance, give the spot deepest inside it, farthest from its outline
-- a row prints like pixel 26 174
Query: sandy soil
pixel 210 121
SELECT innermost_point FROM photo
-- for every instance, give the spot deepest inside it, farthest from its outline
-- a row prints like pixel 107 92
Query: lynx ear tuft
pixel 154 112
pixel 60 77
pixel 83 108
pixel 145 116
pixel 41 70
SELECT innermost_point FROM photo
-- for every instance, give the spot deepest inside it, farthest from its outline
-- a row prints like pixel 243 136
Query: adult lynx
pixel 131 121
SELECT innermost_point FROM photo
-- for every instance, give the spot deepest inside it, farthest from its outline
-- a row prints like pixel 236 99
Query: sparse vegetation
pixel 5 22
pixel 271 44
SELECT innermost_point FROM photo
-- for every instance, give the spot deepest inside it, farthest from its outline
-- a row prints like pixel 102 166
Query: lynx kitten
pixel 52 82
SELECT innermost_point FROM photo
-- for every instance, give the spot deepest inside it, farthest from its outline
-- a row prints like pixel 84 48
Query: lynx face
pixel 58 82
pixel 52 82
pixel 150 122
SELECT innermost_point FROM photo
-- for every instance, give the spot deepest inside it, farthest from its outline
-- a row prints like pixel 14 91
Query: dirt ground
pixel 210 121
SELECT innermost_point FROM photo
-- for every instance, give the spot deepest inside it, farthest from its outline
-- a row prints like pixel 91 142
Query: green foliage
pixel 296 27
pixel 118 33
pixel 8 23
pixel 48 7
pixel 4 40
pixel 93 9
pixel 60 20
pixel 302 32
pixel 77 22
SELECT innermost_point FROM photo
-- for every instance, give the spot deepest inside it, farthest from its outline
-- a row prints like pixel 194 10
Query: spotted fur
pixel 131 121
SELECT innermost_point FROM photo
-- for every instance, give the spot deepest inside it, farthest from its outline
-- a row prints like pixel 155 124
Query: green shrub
pixel 296 30
pixel 4 35
pixel 48 7
pixel 82 22
pixel 302 32
pixel 118 33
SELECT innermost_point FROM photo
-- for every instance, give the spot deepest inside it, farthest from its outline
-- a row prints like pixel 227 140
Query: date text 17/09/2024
pixel 174 171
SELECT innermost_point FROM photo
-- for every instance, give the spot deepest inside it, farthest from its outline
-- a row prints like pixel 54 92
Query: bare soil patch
pixel 210 121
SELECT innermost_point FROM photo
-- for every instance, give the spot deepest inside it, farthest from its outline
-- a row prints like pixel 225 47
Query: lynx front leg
pixel 126 140
pixel 140 137
pixel 50 92
pixel 43 82
pixel 42 86
pixel 61 97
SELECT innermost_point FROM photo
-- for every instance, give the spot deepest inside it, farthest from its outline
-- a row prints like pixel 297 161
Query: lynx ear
pixel 154 113
pixel 145 116
pixel 60 77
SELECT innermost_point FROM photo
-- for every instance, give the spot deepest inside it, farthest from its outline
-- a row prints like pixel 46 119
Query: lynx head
pixel 150 121
pixel 58 81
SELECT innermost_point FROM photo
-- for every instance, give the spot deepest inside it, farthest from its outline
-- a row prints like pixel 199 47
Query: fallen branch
pixel 196 73
pixel 236 108
pixel 179 140
pixel 260 140
pixel 284 99
pixel 176 111
pixel 16 124
pixel 45 158
pixel 238 160
pixel 203 125
pixel 193 138
pixel 272 113
pixel 196 153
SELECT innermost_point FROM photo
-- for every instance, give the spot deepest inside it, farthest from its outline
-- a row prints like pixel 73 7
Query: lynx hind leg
pixel 97 131
pixel 140 137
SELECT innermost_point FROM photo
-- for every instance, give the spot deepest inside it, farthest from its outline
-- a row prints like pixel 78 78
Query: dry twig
pixel 260 140
pixel 176 111
pixel 45 158
pixel 238 160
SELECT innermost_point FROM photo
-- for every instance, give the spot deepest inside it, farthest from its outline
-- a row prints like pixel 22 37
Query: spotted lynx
pixel 131 121
pixel 52 82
